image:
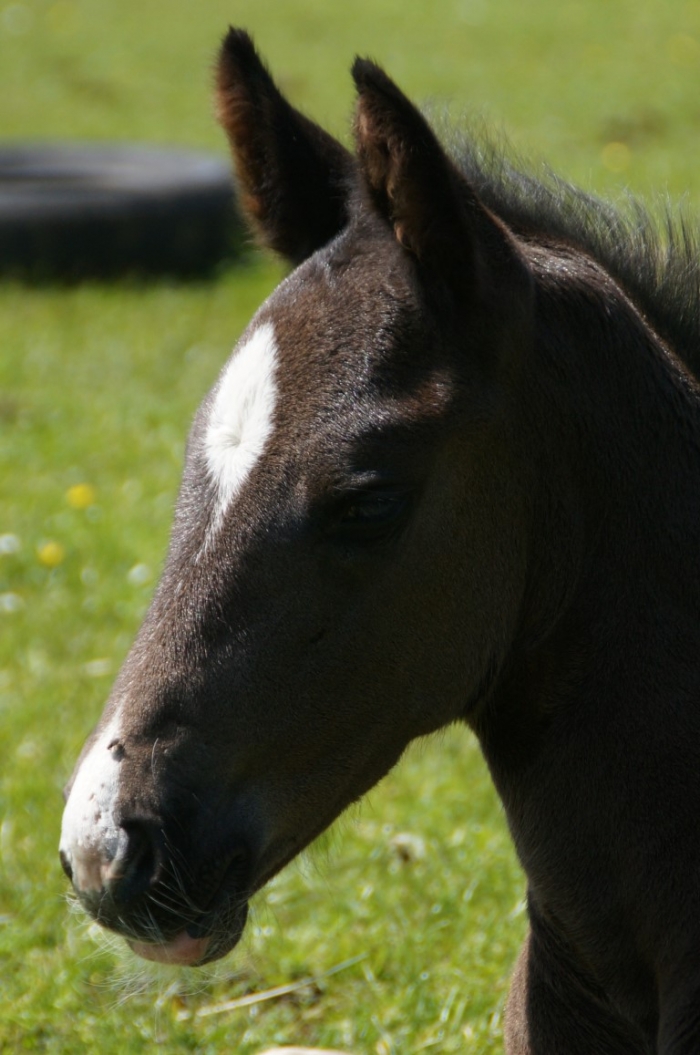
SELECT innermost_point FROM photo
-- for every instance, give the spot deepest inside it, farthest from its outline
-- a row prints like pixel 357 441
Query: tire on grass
pixel 70 211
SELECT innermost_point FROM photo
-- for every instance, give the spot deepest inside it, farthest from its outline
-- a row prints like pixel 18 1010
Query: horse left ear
pixel 292 176
pixel 414 185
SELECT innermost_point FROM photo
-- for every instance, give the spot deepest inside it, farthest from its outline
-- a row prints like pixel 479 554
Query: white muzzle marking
pixel 89 834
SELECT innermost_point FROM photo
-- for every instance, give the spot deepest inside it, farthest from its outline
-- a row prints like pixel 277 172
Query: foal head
pixel 348 555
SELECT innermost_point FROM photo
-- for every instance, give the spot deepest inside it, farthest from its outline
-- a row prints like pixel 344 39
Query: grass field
pixel 97 386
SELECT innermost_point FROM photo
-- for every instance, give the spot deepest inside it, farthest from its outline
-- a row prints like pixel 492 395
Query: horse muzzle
pixel 174 886
pixel 164 910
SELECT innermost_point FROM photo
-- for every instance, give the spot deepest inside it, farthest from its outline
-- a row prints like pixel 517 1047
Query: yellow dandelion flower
pixel 616 156
pixel 80 496
pixel 62 16
pixel 683 50
pixel 51 554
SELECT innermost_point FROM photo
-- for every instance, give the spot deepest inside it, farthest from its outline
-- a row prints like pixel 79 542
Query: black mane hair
pixel 655 260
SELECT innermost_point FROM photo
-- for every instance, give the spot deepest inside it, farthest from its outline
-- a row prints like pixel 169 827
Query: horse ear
pixel 413 184
pixel 292 175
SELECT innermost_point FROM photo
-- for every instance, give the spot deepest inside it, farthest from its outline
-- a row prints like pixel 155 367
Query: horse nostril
pixel 65 865
pixel 136 864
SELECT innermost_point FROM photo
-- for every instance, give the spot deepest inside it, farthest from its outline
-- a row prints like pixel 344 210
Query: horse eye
pixel 371 516
pixel 372 509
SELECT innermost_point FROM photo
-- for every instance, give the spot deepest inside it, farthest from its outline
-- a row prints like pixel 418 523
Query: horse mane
pixel 654 258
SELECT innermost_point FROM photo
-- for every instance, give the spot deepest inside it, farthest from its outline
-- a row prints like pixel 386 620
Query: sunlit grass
pixel 97 386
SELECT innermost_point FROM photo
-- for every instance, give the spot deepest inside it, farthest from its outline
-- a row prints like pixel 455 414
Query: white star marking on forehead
pixel 240 419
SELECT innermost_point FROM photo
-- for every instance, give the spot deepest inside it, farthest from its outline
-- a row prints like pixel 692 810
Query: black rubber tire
pixel 72 210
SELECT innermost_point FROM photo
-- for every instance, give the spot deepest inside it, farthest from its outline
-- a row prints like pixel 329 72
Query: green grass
pixel 97 386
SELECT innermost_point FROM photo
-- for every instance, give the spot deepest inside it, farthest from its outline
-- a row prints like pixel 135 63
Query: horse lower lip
pixel 181 951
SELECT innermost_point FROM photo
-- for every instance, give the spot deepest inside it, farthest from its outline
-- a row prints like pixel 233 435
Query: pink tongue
pixel 181 951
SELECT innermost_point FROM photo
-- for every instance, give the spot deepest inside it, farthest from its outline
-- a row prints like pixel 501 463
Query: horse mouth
pixel 211 934
pixel 216 931
pixel 167 930
pixel 196 945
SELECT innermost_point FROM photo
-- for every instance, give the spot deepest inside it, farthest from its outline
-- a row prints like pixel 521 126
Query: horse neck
pixel 616 414
pixel 613 422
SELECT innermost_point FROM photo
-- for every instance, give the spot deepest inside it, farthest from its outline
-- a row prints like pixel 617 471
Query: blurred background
pixel 98 383
pixel 564 80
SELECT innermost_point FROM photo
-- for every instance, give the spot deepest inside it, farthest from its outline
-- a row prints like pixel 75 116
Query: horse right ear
pixel 292 176
pixel 435 214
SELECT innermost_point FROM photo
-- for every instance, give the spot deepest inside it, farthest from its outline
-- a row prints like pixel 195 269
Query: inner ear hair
pixel 435 213
pixel 292 175
pixel 410 179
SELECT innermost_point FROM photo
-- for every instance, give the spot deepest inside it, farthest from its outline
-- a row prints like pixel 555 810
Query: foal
pixel 451 472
